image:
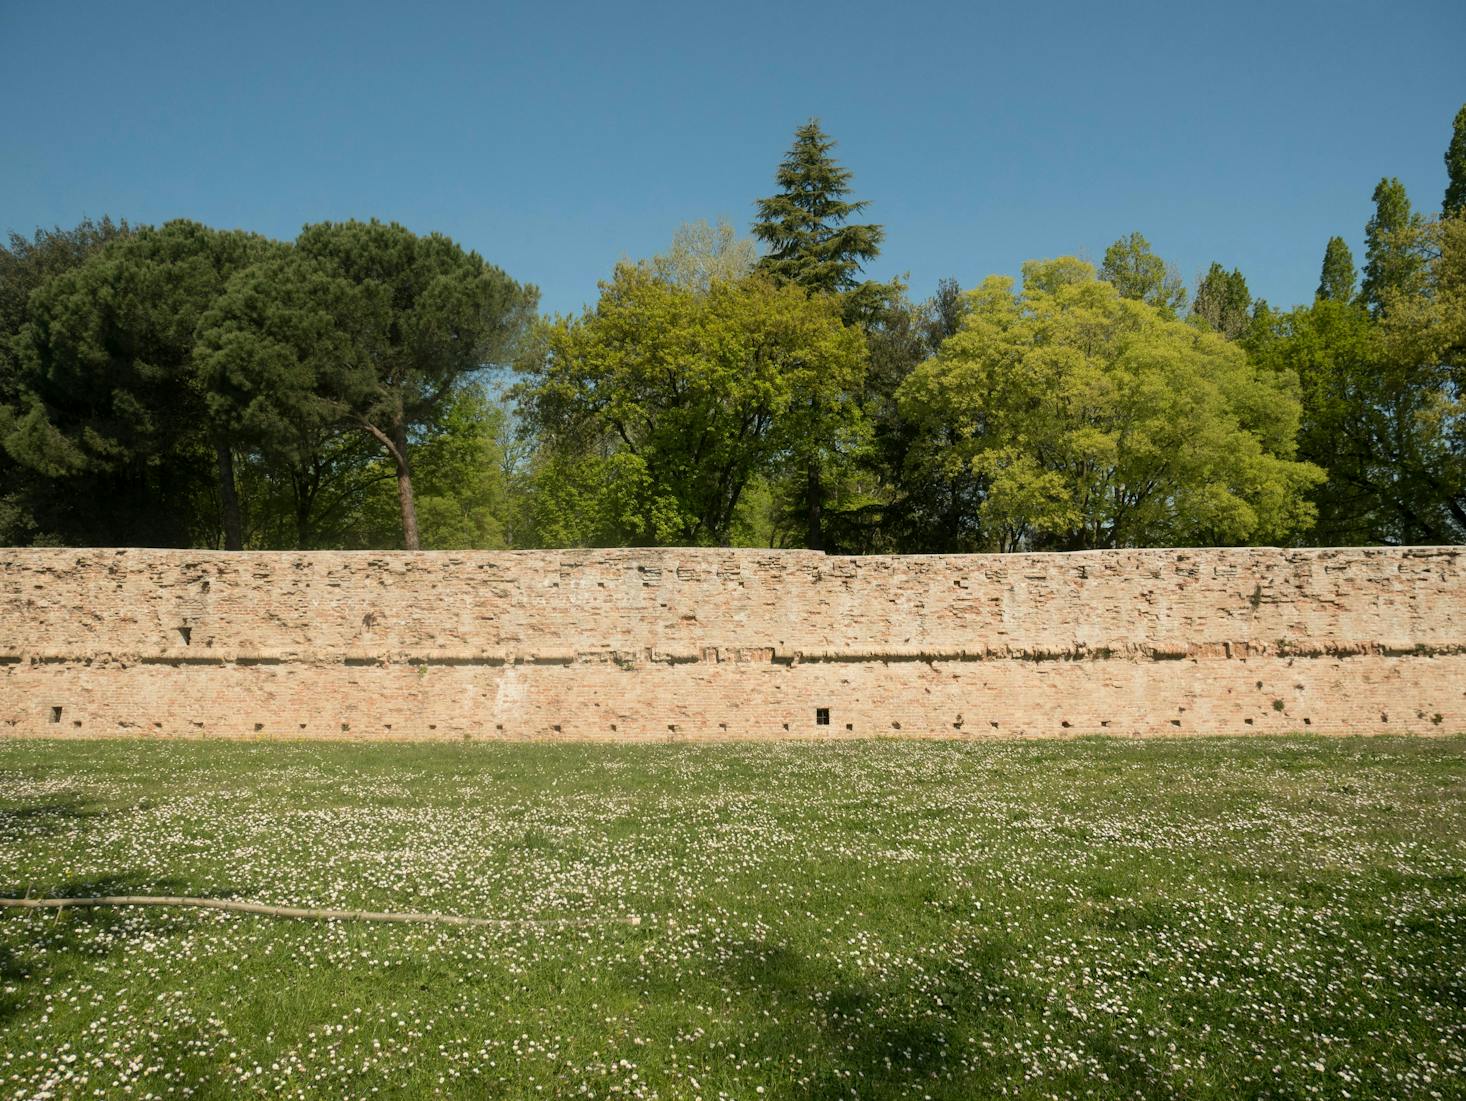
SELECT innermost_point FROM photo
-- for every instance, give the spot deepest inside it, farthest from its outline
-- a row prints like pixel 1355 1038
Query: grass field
pixel 1095 918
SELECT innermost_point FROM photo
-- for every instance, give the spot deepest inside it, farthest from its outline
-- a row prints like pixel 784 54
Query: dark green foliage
pixel 366 326
pixel 112 403
pixel 1337 279
pixel 1393 261
pixel 1455 200
pixel 25 265
pixel 805 225
pixel 1223 302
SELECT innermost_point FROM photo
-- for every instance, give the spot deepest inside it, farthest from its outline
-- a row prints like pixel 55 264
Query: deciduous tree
pixel 1088 420
pixel 1137 272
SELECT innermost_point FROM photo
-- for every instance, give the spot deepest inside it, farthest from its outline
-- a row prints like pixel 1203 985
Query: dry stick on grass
pixel 296 912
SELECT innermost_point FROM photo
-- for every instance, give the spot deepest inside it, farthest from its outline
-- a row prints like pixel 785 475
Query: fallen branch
pixel 241 907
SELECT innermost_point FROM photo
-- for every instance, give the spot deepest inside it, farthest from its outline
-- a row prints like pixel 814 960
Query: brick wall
pixel 728 643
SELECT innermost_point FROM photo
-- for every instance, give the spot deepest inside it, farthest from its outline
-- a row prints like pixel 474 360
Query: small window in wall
pixel 821 716
pixel 185 635
pixel 55 714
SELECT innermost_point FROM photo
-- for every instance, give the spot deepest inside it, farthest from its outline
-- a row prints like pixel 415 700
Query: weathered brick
pixel 674 644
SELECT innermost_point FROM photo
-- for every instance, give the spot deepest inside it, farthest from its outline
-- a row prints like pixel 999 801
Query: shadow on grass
pixel 36 820
pixel 879 1038
pixel 42 947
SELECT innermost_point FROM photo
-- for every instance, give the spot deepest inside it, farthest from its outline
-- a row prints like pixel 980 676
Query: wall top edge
pixel 650 553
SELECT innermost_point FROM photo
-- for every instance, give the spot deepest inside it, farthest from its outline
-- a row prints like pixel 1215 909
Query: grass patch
pixel 1211 918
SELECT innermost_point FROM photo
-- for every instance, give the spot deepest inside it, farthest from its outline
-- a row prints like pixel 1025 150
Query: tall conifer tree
pixel 806 225
pixel 1223 301
pixel 1336 281
pixel 1455 201
pixel 1393 261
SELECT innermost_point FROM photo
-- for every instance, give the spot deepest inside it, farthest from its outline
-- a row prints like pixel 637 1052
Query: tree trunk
pixel 404 490
pixel 814 537
pixel 229 498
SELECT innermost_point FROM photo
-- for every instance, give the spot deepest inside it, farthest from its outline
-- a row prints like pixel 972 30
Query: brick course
pixel 669 644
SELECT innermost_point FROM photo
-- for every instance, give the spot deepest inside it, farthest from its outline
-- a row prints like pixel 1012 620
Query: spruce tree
pixel 1455 201
pixel 1393 260
pixel 1336 282
pixel 805 225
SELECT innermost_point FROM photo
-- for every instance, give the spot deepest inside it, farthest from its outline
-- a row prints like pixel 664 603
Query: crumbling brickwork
pixel 670 644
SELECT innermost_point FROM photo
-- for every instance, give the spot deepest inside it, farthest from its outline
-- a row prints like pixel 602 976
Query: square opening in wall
pixel 821 716
pixel 55 714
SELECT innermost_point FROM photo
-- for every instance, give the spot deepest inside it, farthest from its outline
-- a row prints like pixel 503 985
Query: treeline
pixel 363 386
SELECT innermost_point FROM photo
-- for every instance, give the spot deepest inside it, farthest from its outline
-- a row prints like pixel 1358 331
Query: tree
pixel 112 389
pixel 812 244
pixel 277 331
pixel 1336 280
pixel 26 264
pixel 702 254
pixel 806 225
pixel 657 409
pixel 1455 200
pixel 1138 273
pixel 419 317
pixel 1223 302
pixel 1087 420
pixel 1393 261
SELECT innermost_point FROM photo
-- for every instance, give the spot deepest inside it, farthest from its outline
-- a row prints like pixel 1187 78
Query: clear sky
pixel 556 138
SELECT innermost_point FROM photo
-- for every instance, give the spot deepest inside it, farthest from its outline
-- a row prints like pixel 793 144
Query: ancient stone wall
pixel 659 644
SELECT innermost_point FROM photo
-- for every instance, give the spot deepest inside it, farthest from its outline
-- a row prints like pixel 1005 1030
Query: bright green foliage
pixel 114 400
pixel 659 407
pixel 1394 261
pixel 1088 420
pixel 1382 405
pixel 1223 302
pixel 1336 281
pixel 460 476
pixel 1137 272
pixel 805 225
pixel 1455 200
pixel 1425 341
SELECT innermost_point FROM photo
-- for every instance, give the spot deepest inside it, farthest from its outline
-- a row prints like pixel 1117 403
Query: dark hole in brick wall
pixel 259 727
pixel 185 634
pixel 821 716
pixel 849 726
pixel 55 714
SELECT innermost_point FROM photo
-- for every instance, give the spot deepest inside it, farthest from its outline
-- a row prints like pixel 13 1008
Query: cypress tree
pixel 1336 281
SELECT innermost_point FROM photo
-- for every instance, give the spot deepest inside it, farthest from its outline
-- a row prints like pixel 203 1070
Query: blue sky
pixel 558 138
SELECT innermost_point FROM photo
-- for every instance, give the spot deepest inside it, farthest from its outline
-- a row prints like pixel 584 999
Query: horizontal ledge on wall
pixel 630 659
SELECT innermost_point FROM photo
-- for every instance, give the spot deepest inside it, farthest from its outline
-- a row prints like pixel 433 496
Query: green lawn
pixel 1108 918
